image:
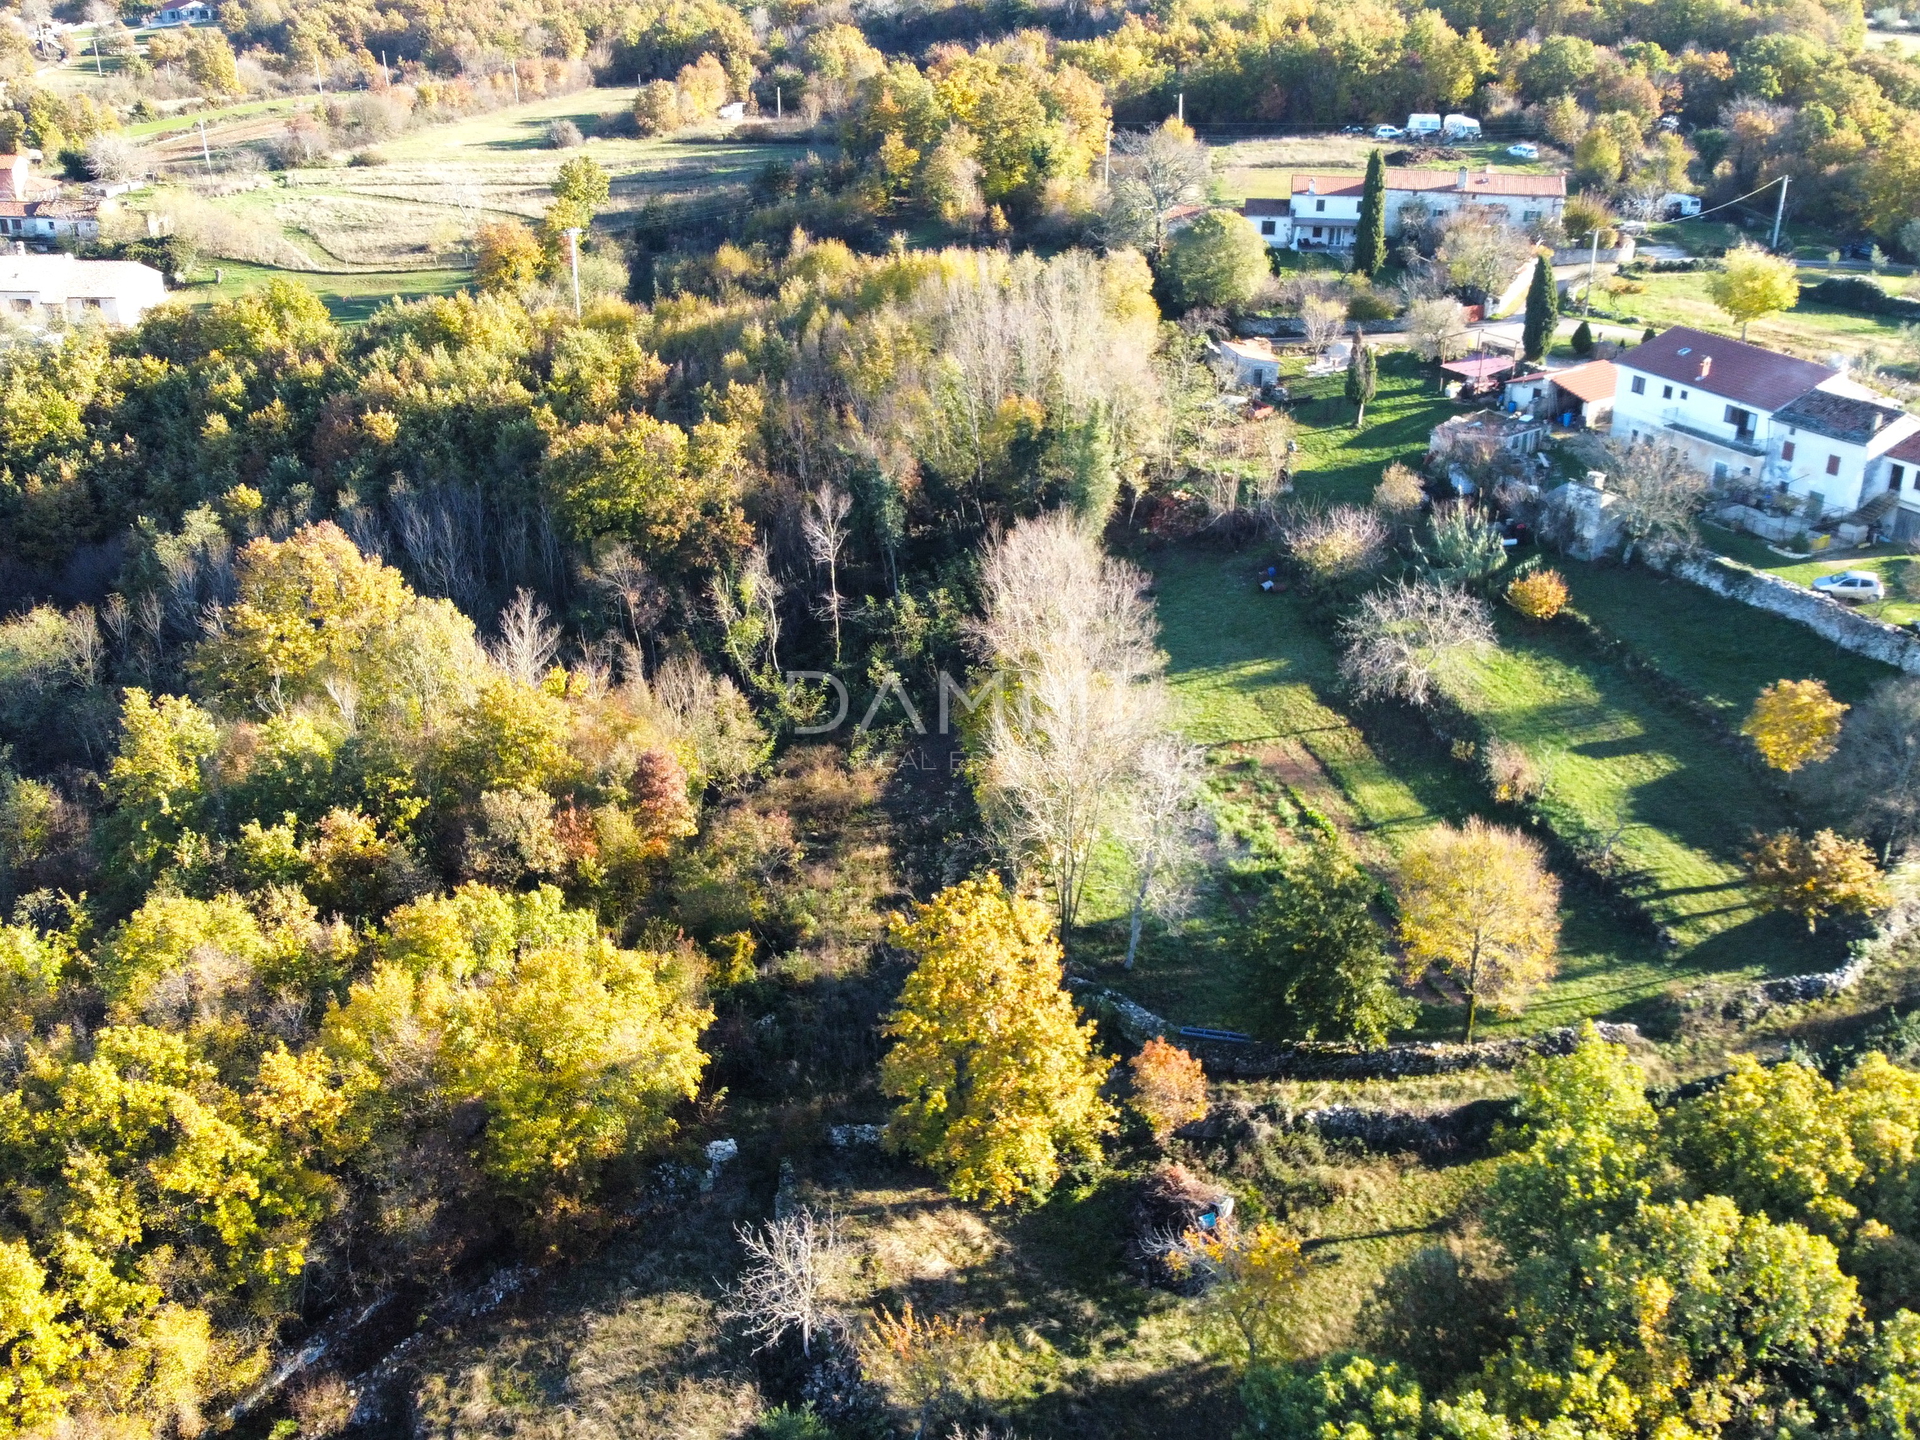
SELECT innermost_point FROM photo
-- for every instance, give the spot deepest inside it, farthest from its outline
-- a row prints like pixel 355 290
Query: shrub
pixel 1512 774
pixel 1540 595
pixel 563 135
pixel 1399 493
pixel 1370 305
pixel 1583 339
pixel 1334 545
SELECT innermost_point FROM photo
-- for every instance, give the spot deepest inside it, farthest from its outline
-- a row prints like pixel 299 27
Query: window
pixel 1683 394
pixel 1527 217
pixel 1896 477
pixel 1719 471
pixel 1266 227
pixel 1316 232
pixel 1741 420
pixel 1786 449
pixel 1833 464
pixel 1667 393
pixel 1639 384
pixel 1319 207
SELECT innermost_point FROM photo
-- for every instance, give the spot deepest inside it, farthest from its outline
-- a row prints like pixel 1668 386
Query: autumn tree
pixel 1829 874
pixel 997 1081
pixel 1320 952
pixel 507 256
pixel 1752 284
pixel 1252 1277
pixel 1478 906
pixel 1159 168
pixel 1794 723
pixel 1169 1088
pixel 1399 495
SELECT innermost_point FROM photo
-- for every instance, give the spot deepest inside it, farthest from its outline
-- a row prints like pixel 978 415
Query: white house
pixel 49 219
pixel 1746 414
pixel 1253 361
pixel 1899 471
pixel 1324 209
pixel 192 13
pixel 1273 219
pixel 35 288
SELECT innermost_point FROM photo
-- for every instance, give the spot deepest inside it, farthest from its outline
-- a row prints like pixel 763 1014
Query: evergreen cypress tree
pixel 1583 339
pixel 1362 377
pixel 1370 239
pixel 1543 310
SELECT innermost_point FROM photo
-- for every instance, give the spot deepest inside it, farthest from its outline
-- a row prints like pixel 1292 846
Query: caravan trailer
pixel 1423 124
pixel 1460 127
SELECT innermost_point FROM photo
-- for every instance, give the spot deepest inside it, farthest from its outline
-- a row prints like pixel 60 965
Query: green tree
pixel 997 1081
pixel 1219 259
pixel 1543 310
pixel 1363 377
pixel 1597 160
pixel 157 781
pixel 1583 339
pixel 1370 237
pixel 1327 973
pixel 210 63
pixel 1752 284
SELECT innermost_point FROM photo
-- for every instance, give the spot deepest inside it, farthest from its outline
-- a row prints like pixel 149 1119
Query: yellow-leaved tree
pixel 998 1084
pixel 1478 905
pixel 1810 878
pixel 1794 723
pixel 1753 284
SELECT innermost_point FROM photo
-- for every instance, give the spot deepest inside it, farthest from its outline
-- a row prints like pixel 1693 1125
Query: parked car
pixel 1387 132
pixel 1524 151
pixel 1353 129
pixel 1853 586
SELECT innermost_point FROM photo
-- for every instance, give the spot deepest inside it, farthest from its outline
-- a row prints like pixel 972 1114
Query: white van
pixel 1423 124
pixel 1461 127
pixel 1676 206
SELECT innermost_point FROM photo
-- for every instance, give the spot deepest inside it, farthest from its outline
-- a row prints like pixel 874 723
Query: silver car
pixel 1854 586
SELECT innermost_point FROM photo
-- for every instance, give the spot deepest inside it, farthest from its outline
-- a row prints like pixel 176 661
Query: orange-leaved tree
pixel 1794 723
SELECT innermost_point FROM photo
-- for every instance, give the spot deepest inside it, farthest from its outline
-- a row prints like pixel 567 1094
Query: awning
pixel 1484 367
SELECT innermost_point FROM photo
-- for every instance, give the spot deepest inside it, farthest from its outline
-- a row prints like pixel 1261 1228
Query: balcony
pixel 1741 442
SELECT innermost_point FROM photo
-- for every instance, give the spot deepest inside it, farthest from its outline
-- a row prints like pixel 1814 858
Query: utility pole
pixel 779 113
pixel 96 51
pixel 386 76
pixel 205 154
pixel 516 82
pixel 1779 212
pixel 572 233
pixel 1183 107
pixel 1106 173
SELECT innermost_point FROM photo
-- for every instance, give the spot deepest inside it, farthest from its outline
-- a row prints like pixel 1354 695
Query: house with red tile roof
pixel 1322 211
pixel 1746 415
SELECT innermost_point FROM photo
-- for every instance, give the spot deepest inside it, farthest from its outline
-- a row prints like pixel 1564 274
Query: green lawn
pixel 183 123
pixel 1340 464
pixel 1885 560
pixel 350 298
pixel 1722 651
pixel 1815 330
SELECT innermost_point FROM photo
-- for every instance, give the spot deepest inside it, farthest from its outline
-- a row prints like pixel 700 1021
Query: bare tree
pixel 626 580
pixel 1406 640
pixel 783 1286
pixel 1072 631
pixel 1157 827
pixel 1168 165
pixel 1335 544
pixel 826 531
pixel 1321 319
pixel 527 642
pixel 1874 776
pixel 1657 490
pixel 1437 327
pixel 1482 254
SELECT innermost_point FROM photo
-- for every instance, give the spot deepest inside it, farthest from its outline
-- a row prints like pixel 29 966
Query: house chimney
pixel 1313 185
pixel 1706 366
pixel 1463 177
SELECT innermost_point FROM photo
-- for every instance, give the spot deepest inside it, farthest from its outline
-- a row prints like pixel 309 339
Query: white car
pixel 1854 586
pixel 1524 151
pixel 1387 132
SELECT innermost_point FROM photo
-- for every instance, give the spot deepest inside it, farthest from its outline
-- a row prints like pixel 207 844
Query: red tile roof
pixel 1479 182
pixel 1907 449
pixel 1726 367
pixel 1587 382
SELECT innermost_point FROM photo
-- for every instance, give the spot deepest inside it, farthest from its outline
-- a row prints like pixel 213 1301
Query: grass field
pixel 1885 560
pixel 1812 330
pixel 350 298
pixel 1630 771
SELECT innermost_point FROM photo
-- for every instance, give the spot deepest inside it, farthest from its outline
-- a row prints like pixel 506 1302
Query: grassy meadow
pixel 1635 777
